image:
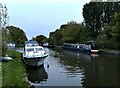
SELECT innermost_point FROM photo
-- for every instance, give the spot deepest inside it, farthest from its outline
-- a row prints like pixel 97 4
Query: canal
pixel 69 68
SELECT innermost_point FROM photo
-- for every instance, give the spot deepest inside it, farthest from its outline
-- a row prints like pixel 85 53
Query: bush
pixel 13 54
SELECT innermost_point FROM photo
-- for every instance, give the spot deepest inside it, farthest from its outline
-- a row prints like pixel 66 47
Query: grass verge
pixel 13 72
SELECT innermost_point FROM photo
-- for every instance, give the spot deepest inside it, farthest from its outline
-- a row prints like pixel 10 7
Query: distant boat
pixel 31 43
pixel 33 54
pixel 11 45
pixel 49 45
pixel 89 47
pixel 6 58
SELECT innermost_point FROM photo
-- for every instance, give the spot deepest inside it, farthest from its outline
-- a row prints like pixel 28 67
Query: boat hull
pixel 81 50
pixel 94 51
pixel 38 61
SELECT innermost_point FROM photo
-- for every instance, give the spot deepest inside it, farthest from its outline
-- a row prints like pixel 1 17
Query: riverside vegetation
pixel 13 72
pixel 101 24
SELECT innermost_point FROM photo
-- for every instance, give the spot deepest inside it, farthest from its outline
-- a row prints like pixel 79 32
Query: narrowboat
pixel 89 47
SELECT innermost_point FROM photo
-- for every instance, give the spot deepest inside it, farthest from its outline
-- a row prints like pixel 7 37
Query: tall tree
pixel 110 34
pixel 16 35
pixel 98 14
pixel 3 30
pixel 72 32
pixel 116 29
pixel 41 38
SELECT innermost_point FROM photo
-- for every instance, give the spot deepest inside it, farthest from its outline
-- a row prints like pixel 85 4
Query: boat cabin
pixel 31 43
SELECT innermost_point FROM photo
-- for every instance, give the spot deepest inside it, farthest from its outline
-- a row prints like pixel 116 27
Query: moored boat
pixel 34 54
pixel 49 45
pixel 31 43
pixel 6 58
pixel 34 62
pixel 89 47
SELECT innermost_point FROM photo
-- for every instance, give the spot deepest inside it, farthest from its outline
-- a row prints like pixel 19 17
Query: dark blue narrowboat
pixel 90 47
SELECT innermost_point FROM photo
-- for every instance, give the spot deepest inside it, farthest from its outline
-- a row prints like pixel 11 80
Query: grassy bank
pixel 13 72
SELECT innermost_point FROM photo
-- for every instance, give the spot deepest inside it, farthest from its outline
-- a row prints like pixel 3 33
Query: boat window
pixel 39 49
pixel 81 46
pixel 30 49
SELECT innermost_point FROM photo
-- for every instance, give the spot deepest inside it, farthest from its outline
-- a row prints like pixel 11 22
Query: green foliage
pixel 101 24
pixel 13 54
pixel 103 20
pixel 16 35
pixel 4 40
pixel 3 30
pixel 116 31
pixel 40 39
pixel 71 32
pixel 55 37
pixel 98 14
pixel 110 35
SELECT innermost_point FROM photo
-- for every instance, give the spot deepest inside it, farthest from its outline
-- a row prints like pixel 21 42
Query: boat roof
pixel 31 43
pixel 73 44
pixel 34 47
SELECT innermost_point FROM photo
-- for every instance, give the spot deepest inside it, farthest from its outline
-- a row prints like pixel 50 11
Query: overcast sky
pixel 40 17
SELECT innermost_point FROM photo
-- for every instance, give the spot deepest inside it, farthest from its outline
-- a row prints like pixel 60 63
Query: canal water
pixel 69 68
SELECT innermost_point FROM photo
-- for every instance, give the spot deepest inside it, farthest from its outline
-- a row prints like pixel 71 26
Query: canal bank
pixel 110 52
pixel 13 72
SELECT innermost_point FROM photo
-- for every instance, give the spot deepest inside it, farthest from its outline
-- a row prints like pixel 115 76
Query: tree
pixel 72 32
pixel 98 14
pixel 41 38
pixel 16 35
pixel 116 28
pixel 110 34
pixel 3 30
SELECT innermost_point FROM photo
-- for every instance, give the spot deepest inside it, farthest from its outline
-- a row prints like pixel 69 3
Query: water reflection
pixel 97 70
pixel 68 68
pixel 36 75
pixel 102 71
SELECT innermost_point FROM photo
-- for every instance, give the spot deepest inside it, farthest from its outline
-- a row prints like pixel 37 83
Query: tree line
pixel 14 35
pixel 101 24
pixel 72 32
pixel 40 39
